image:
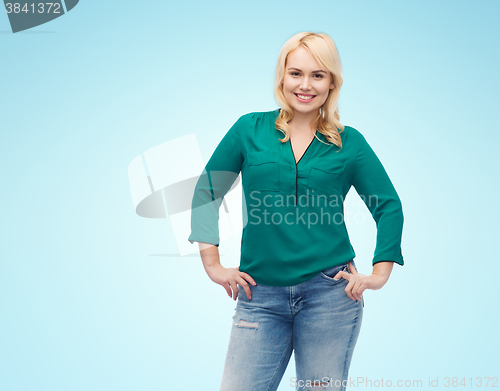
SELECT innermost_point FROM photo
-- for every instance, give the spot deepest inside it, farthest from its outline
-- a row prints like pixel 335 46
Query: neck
pixel 303 123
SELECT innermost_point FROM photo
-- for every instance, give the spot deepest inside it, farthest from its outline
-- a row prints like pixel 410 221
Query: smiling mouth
pixel 305 96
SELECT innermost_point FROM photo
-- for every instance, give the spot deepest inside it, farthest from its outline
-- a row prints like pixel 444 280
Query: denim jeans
pixel 315 319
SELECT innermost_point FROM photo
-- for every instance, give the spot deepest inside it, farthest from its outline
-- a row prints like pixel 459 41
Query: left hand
pixel 359 282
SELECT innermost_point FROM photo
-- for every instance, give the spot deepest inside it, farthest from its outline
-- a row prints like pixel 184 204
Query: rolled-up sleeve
pixel 213 184
pixel 375 188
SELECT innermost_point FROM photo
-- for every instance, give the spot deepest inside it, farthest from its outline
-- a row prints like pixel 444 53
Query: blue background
pixel 85 307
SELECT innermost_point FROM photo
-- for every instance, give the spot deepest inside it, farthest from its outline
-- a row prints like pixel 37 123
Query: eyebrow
pixel 297 69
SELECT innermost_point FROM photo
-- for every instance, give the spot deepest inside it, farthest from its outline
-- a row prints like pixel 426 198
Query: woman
pixel 297 286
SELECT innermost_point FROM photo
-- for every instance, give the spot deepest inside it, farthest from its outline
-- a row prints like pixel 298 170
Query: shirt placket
pixel 301 162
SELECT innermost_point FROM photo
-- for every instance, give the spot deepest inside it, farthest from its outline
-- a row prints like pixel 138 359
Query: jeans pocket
pixel 330 273
pixel 353 264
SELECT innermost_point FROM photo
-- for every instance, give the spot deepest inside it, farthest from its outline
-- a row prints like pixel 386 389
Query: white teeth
pixel 305 97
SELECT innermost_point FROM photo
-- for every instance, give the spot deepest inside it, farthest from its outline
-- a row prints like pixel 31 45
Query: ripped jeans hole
pixel 250 325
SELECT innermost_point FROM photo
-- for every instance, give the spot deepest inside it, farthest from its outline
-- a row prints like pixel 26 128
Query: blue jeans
pixel 315 319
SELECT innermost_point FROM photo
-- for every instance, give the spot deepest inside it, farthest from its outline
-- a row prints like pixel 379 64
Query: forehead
pixel 301 58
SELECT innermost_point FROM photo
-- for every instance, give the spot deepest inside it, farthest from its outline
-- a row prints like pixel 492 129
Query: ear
pixel 332 86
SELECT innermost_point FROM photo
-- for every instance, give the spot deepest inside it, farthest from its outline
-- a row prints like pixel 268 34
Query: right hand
pixel 229 278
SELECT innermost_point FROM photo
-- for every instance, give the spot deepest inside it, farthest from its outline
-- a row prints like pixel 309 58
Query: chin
pixel 305 110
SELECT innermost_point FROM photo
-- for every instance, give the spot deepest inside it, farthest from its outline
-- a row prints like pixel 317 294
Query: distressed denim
pixel 315 319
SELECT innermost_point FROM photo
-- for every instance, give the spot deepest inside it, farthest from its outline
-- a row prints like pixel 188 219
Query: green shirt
pixel 293 213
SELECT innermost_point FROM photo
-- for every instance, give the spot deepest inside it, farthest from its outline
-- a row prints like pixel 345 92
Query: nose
pixel 305 84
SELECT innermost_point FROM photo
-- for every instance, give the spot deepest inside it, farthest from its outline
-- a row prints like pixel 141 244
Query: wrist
pixel 380 278
pixel 383 269
pixel 212 266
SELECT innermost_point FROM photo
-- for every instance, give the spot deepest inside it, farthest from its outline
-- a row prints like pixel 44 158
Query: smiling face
pixel 306 84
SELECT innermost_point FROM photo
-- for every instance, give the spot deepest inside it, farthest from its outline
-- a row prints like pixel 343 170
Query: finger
pixel 342 274
pixel 352 268
pixel 248 278
pixel 245 287
pixel 356 290
pixel 227 287
pixel 234 287
pixel 360 291
pixel 348 290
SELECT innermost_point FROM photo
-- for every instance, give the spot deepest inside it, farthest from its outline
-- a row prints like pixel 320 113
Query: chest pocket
pixel 263 170
pixel 324 178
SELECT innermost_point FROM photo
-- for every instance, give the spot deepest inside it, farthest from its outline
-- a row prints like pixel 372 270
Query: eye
pixel 294 73
pixel 320 76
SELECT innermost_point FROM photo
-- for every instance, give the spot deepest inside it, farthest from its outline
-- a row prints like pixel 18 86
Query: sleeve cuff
pixel 204 239
pixel 390 258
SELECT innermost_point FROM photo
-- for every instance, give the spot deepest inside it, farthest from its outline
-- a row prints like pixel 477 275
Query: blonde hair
pixel 324 51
